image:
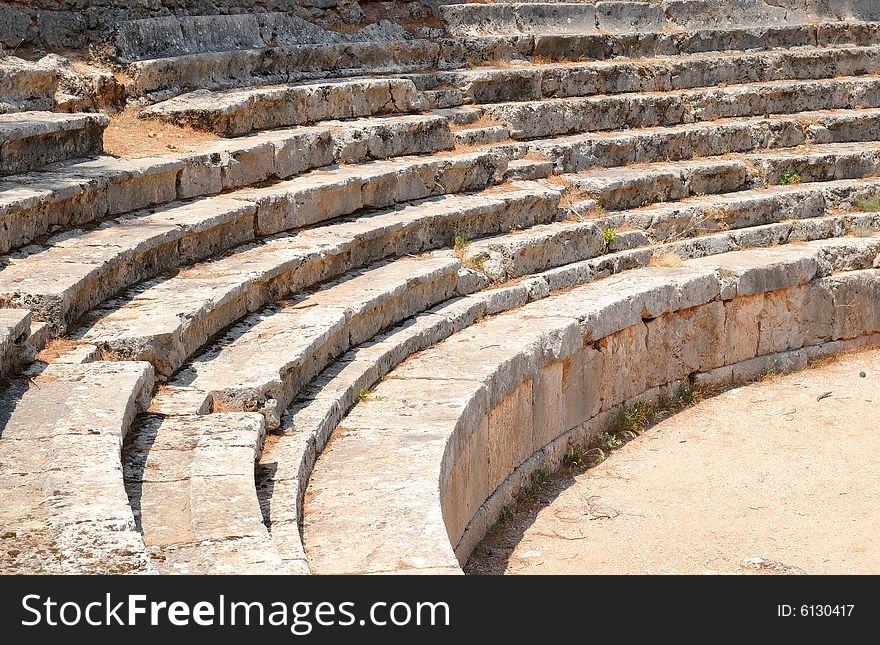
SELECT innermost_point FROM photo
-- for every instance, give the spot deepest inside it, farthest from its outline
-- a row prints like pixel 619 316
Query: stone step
pixel 462 115
pixel 63 506
pixel 552 117
pixel 629 187
pixel 167 320
pixel 29 140
pixel 263 361
pixel 166 77
pixel 77 270
pixel 171 55
pixel 26 86
pixel 591 47
pixel 612 17
pixel 480 136
pixel 528 169
pixel 235 112
pixel 78 194
pixel 445 98
pixel 527 394
pixel 683 142
pixel 290 456
pixel 150 38
pixel 191 484
pixel 523 81
pixel 542 247
pixel 15 330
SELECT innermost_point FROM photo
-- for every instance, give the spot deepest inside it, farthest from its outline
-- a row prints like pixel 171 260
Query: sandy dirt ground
pixel 130 137
pixel 781 476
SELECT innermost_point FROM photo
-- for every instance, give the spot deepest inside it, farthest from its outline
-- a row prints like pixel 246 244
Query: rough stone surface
pixel 687 322
pixel 29 140
pixel 64 507
pixel 191 484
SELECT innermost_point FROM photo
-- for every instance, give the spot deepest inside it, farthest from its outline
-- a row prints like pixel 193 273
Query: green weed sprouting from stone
pixel 609 235
pixel 868 205
pixel 461 243
pixel 538 483
pixel 633 420
pixel 790 178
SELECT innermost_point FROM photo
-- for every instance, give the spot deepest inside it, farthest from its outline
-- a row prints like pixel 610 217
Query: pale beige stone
pixel 549 414
pixel 742 328
pixel 684 342
pixel 510 433
pixel 468 485
pixel 625 365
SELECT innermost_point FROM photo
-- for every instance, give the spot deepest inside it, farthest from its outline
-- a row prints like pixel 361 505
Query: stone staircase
pixel 455 257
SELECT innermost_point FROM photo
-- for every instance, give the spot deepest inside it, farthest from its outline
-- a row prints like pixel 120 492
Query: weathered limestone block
pixel 510 433
pixel 63 505
pixel 779 330
pixel 29 140
pixel 742 328
pixel 684 342
pixel 469 483
pixel 547 405
pixel 854 297
pixel 15 328
pixel 582 378
pixel 625 360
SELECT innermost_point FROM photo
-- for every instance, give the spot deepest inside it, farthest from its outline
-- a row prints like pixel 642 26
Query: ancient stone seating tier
pixel 455 255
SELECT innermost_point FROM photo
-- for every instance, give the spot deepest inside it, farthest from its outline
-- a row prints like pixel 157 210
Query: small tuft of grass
pixel 868 205
pixel 364 393
pixel 790 178
pixel 609 441
pixel 609 235
pixel 461 243
pixel 507 514
pixel 633 420
pixel 573 457
pixel 538 483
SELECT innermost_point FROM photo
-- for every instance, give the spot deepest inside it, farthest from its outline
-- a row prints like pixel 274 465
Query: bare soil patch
pixel 129 137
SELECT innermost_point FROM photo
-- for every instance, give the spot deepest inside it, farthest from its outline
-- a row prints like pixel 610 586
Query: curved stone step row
pixel 150 38
pixel 289 457
pixel 173 54
pixel 553 117
pixel 520 253
pixel 263 361
pixel 621 188
pixel 452 429
pixel 176 462
pixel 605 17
pixel 77 270
pixel 166 320
pixel 63 507
pixel 29 140
pixel 585 47
pixel 79 194
pixel 165 77
pixel 190 480
pixel 26 86
pixel 520 81
pixel 240 111
pixel 682 142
